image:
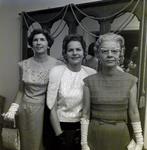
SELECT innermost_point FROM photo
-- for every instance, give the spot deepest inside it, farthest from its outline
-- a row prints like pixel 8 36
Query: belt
pixel 33 104
pixel 113 122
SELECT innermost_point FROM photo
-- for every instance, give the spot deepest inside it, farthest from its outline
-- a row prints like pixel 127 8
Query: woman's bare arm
pixel 133 108
pixel 86 103
pixel 55 120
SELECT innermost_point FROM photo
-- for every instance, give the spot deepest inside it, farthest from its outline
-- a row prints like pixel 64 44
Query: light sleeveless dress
pixel 31 111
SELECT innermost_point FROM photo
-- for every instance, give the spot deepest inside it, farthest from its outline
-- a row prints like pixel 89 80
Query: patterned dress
pixel 31 112
pixel 109 105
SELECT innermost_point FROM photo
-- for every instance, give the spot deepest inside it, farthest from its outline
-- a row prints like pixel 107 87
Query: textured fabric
pixel 110 95
pixel 54 83
pixel 31 110
pixel 109 101
pixel 108 136
pixel 70 99
pixel 72 136
pixel 11 138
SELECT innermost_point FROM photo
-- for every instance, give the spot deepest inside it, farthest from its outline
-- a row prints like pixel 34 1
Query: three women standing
pixel 108 96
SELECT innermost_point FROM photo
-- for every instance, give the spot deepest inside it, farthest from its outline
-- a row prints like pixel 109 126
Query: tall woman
pixel 65 93
pixel 30 97
pixel 109 97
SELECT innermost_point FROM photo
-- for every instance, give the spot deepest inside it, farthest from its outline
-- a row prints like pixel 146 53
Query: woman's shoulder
pixel 93 76
pixel 55 61
pixel 56 72
pixel 91 79
pixel 57 68
pixel 130 76
pixel 52 58
pixel 24 63
pixel 89 70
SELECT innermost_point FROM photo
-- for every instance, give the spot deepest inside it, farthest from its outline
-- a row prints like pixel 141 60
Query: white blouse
pixel 70 96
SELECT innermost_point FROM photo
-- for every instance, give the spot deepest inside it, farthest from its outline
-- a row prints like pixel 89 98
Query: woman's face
pixel 40 43
pixel 109 53
pixel 74 53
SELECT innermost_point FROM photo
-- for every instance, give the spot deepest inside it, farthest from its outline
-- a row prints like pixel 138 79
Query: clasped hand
pixel 10 115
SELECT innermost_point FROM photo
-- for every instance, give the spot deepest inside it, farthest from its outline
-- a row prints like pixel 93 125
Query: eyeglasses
pixel 107 51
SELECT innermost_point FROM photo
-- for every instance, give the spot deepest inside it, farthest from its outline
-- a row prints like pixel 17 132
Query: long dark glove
pixel 62 141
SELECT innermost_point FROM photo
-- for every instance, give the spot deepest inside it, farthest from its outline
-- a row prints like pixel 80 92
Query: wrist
pixel 59 134
pixel 85 147
pixel 84 121
pixel 14 107
pixel 84 131
pixel 138 133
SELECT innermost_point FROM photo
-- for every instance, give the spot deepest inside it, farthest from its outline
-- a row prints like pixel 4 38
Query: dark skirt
pixel 72 135
pixel 106 136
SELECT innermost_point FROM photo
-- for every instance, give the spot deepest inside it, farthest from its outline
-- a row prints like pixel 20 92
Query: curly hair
pixel 111 37
pixel 49 37
pixel 73 37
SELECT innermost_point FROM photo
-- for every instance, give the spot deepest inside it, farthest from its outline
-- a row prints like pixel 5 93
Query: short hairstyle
pixel 91 50
pixel 49 37
pixel 110 37
pixel 73 37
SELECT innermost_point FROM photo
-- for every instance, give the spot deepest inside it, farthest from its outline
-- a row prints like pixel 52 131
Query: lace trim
pixel 33 76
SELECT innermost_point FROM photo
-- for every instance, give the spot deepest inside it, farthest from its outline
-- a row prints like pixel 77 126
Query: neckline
pixel 73 72
pixel 29 62
pixel 111 75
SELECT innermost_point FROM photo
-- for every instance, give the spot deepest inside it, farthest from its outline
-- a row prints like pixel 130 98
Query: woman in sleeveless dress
pixel 109 97
pixel 30 98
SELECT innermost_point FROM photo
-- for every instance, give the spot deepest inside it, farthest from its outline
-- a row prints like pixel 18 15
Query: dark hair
pixel 91 50
pixel 73 37
pixel 49 37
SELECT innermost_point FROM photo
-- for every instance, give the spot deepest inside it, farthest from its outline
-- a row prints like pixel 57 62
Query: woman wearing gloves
pixel 108 96
pixel 65 93
pixel 30 98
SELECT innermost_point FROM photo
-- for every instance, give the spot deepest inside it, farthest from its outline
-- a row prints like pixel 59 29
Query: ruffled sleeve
pixel 23 65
